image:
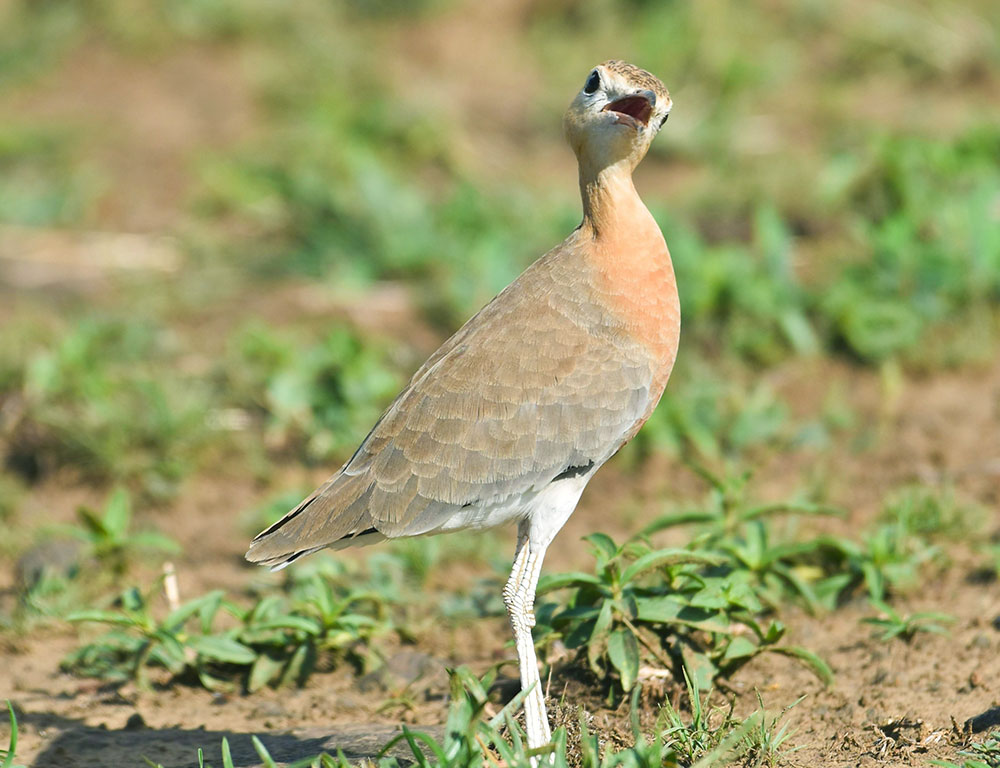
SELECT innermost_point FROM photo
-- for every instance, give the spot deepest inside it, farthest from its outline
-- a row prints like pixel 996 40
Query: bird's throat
pixel 612 209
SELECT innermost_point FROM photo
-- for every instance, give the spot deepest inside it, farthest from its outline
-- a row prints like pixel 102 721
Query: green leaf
pixel 212 683
pixel 552 582
pixel 740 648
pixel 227 756
pixel 813 662
pixel 598 637
pixel 264 670
pixel 296 623
pixel 224 649
pixel 118 513
pixel 666 610
pixel 623 650
pixel 8 760
pixel 580 634
pixel 603 545
pixel 104 617
pixel 154 540
pixel 663 557
pixel 699 667
pixel 794 508
pixel 680 518
pixel 90 521
pixel 300 665
pixel 262 753
pixel 186 611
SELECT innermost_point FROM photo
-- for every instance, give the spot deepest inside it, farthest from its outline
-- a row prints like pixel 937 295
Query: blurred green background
pixel 230 229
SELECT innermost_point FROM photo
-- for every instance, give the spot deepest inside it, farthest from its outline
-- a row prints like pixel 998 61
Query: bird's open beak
pixel 635 109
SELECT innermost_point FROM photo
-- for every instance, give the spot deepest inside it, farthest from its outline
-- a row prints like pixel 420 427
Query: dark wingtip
pixel 286 519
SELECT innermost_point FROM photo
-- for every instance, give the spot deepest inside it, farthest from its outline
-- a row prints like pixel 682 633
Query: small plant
pixel 765 741
pixel 713 733
pixel 321 397
pixel 893 624
pixel 109 538
pixel 105 401
pixel 279 640
pixel 709 729
pixel 889 559
pixel 984 754
pixel 679 609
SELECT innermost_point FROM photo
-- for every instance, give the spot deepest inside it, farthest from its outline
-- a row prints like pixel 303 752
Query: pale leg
pixel 519 597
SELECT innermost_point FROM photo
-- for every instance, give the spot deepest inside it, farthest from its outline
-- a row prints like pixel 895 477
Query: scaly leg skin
pixel 519 597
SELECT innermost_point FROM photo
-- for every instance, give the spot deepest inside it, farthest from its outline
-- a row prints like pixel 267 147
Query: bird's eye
pixel 592 82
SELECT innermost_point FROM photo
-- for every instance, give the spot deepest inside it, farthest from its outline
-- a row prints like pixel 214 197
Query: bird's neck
pixel 611 207
pixel 630 265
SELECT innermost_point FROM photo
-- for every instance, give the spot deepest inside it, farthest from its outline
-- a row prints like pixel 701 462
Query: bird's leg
pixel 519 597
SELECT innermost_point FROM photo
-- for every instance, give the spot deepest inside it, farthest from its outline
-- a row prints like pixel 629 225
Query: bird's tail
pixel 333 516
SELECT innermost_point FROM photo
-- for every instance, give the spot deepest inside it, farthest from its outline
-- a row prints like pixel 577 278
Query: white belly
pixel 548 508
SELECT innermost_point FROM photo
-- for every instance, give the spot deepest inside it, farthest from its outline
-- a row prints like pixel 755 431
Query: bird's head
pixel 616 115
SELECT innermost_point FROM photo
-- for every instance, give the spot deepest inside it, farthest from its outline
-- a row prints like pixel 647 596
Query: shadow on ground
pixel 79 746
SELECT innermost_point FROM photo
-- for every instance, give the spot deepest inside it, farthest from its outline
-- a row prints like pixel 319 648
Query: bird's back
pixel 545 383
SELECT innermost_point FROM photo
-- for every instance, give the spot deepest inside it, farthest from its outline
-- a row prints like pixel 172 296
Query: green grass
pixel 317 398
pixel 470 740
pixel 7 755
pixel 93 400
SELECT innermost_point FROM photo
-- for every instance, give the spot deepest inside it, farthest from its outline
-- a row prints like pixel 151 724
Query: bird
pixel 511 417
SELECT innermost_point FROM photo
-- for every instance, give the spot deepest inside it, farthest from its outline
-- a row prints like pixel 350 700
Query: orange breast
pixel 636 280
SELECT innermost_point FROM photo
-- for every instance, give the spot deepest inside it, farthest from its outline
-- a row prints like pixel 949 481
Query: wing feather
pixel 539 381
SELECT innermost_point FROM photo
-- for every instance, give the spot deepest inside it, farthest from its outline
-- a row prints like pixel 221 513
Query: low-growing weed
pixel 890 557
pixel 51 595
pixel 687 610
pixel 279 640
pixel 320 397
pixel 707 609
pixel 714 733
pixel 323 760
pixel 109 537
pixel 709 728
pixel 983 754
pixel 713 416
pixel 100 401
pixel 891 624
pixel 740 531
pixel 923 210
pixel 72 564
pixel 766 742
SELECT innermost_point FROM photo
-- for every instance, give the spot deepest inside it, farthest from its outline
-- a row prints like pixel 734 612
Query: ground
pixel 893 704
